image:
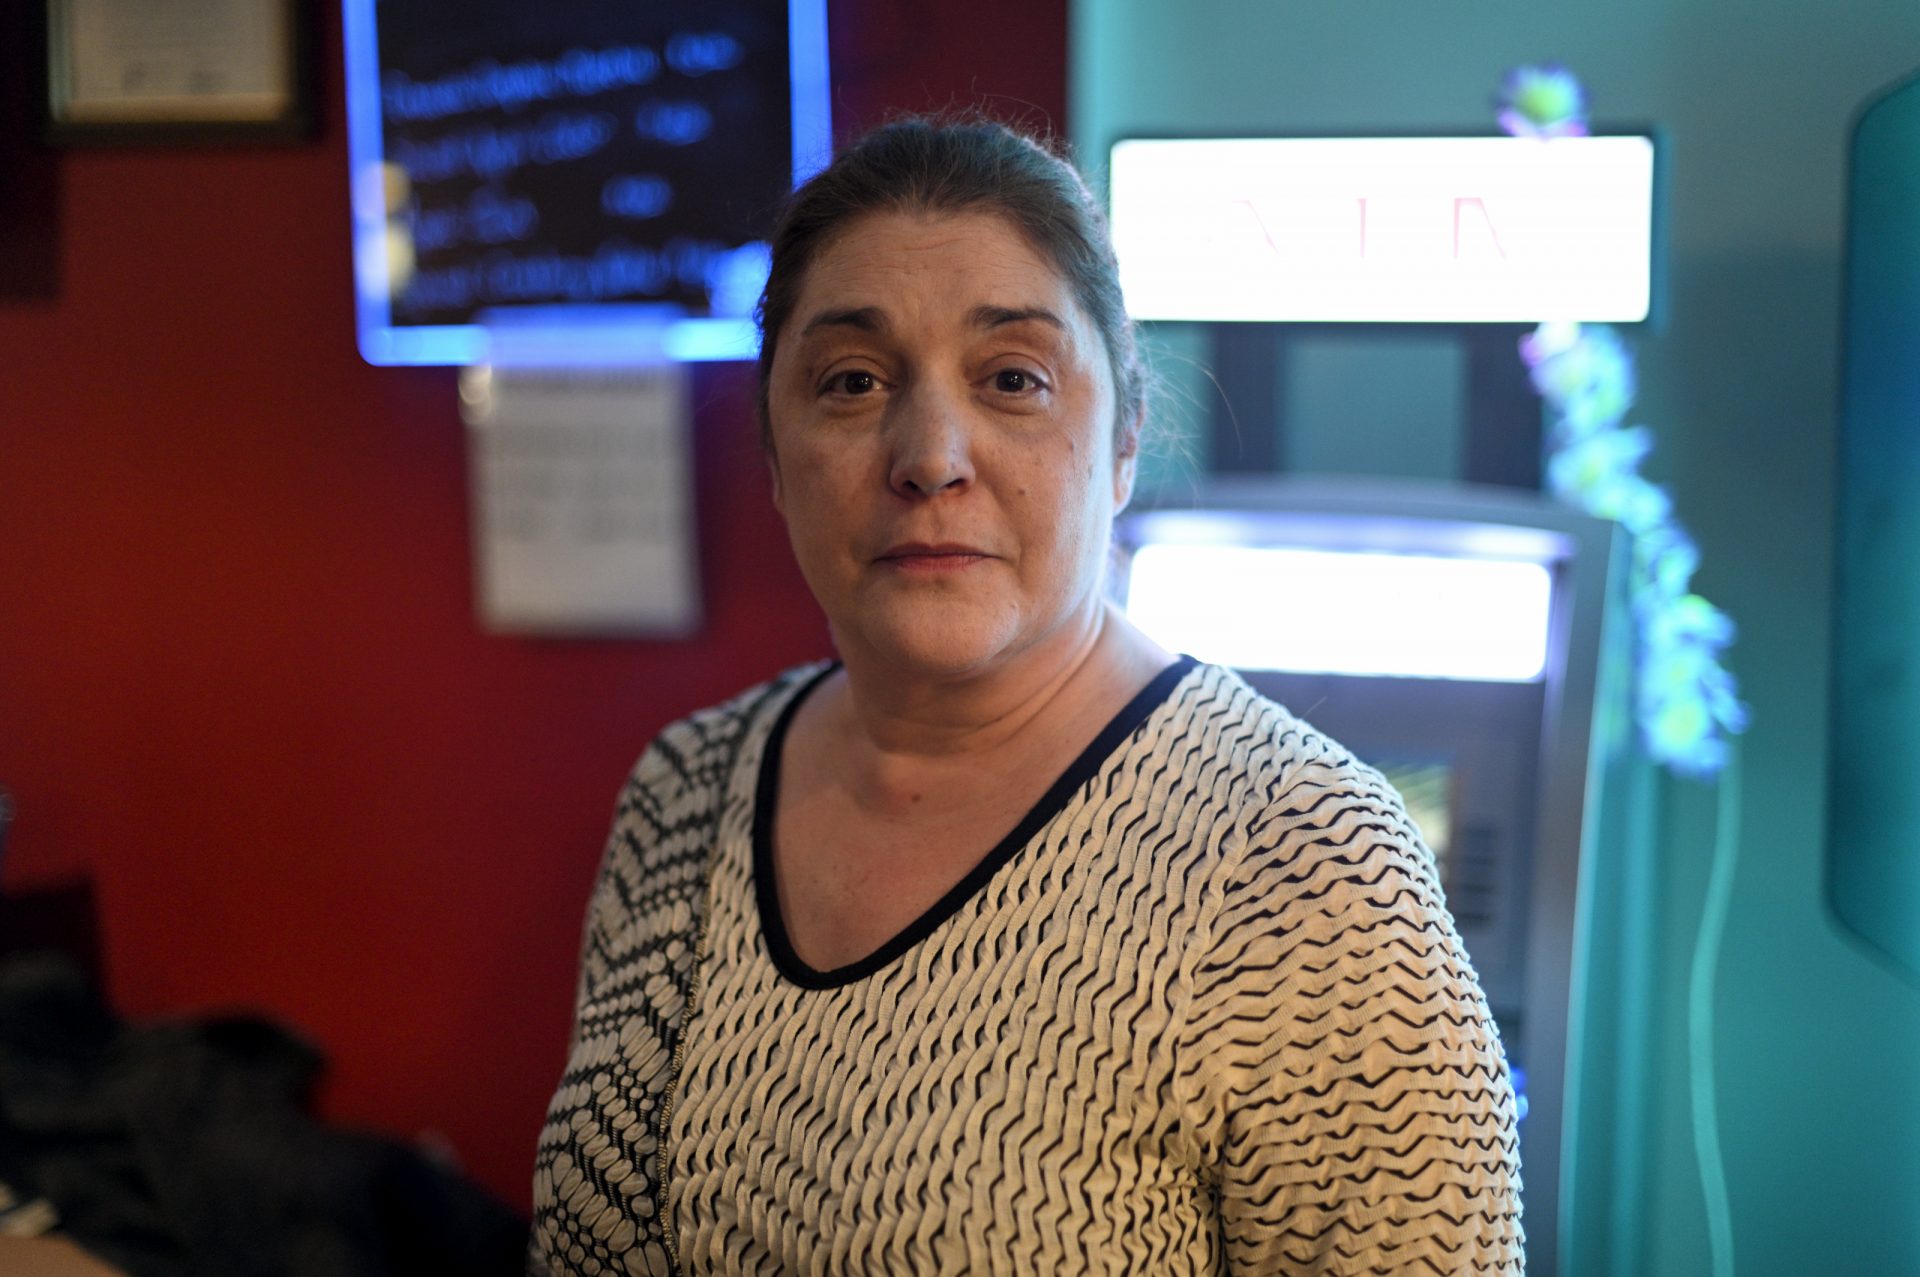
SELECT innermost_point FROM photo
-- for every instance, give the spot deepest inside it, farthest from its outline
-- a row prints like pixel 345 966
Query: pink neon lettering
pixel 1261 222
pixel 1461 201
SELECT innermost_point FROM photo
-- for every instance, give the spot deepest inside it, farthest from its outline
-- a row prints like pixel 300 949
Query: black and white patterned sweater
pixel 1203 1011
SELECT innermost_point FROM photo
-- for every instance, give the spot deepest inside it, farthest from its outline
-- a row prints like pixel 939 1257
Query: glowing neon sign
pixel 1385 230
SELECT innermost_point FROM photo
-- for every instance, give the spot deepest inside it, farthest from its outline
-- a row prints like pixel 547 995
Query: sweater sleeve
pixel 596 1175
pixel 1347 1070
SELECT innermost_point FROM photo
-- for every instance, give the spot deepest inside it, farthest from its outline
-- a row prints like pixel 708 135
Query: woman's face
pixel 942 419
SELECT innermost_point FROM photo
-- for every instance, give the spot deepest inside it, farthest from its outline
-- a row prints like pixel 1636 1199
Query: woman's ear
pixel 1126 460
pixel 773 473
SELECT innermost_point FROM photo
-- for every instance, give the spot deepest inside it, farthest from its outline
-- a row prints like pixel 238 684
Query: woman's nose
pixel 932 448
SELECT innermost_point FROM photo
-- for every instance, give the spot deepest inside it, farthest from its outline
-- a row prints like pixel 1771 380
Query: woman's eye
pixel 1015 381
pixel 854 382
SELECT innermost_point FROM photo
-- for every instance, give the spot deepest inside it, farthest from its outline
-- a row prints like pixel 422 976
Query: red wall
pixel 241 688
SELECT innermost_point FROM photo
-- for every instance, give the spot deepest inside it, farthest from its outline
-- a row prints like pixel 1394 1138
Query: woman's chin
pixel 932 647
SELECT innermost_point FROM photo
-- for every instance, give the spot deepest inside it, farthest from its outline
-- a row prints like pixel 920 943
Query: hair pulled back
pixel 965 164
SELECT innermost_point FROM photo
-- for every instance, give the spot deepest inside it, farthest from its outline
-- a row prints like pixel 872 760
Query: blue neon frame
pixel 559 334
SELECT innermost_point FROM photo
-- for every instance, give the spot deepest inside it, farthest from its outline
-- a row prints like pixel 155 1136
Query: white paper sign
pixel 582 500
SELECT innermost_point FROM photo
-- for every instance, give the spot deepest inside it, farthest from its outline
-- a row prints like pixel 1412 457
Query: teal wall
pixel 1873 873
pixel 1817 1041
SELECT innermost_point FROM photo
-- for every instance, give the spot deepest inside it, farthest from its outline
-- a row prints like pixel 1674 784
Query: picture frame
pixel 144 72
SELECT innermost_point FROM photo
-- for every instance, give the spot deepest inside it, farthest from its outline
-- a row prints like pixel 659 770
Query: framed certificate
pixel 130 71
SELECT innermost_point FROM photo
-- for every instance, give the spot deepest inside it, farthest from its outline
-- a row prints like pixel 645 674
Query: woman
pixel 1009 942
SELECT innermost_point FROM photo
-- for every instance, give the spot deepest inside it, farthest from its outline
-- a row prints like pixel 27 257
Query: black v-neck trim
pixel 767 797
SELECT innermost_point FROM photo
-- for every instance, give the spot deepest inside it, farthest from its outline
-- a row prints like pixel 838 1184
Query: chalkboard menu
pixel 573 167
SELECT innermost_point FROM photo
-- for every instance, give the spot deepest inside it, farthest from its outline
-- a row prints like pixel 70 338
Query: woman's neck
pixel 895 736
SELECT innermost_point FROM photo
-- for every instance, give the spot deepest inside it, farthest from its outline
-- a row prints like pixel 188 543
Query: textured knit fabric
pixel 1203 1012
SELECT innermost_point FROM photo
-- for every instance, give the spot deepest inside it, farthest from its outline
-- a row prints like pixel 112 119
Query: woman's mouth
pixel 916 557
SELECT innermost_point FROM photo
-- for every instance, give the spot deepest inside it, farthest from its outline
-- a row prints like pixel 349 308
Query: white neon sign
pixel 1385 230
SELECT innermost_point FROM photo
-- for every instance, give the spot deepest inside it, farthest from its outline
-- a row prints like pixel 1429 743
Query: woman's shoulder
pixel 695 750
pixel 1219 722
pixel 1295 793
pixel 756 705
